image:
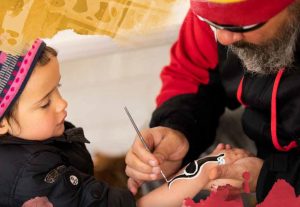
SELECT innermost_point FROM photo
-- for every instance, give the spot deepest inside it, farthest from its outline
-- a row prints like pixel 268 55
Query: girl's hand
pixel 234 171
pixel 231 154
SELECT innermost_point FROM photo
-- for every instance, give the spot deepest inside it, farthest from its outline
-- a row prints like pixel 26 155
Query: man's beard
pixel 274 54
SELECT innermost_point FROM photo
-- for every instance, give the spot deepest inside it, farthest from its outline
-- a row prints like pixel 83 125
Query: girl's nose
pixel 226 37
pixel 62 104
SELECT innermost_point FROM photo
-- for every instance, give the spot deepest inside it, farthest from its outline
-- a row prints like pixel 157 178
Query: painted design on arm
pixel 193 169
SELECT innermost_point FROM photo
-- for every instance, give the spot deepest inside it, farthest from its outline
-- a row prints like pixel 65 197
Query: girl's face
pixel 41 110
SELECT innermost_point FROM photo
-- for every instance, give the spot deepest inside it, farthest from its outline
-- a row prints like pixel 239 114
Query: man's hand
pixel 168 149
pixel 234 171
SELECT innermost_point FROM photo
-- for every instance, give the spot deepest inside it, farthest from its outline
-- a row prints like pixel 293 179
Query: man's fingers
pixel 130 172
pixel 161 154
pixel 133 185
pixel 170 144
pixel 134 162
pixel 144 155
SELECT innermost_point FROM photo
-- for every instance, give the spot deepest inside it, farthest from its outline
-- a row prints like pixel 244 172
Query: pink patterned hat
pixel 15 71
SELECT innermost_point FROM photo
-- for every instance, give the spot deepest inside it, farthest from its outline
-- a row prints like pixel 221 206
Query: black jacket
pixel 205 77
pixel 59 168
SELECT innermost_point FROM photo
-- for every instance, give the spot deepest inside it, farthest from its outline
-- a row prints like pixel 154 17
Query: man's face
pixel 271 47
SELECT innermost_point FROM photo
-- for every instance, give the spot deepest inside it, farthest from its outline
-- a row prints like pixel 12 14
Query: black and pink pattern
pixel 14 73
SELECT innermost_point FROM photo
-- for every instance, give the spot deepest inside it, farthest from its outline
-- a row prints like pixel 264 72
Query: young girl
pixel 193 178
pixel 43 157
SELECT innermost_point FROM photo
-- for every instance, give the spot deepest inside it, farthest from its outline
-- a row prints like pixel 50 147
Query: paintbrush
pixel 142 138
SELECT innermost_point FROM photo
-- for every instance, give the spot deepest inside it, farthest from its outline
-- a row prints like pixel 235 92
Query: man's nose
pixel 226 37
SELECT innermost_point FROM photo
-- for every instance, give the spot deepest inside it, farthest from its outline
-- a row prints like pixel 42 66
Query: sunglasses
pixel 231 28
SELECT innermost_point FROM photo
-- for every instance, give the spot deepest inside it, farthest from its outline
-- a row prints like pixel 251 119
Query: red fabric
pixel 245 12
pixel 276 144
pixel 192 56
pixel 240 91
pixel 281 195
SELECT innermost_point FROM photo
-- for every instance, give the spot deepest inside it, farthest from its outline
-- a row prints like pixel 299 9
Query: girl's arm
pixel 179 190
pixel 188 184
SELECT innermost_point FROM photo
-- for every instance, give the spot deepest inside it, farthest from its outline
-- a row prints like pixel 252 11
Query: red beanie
pixel 238 12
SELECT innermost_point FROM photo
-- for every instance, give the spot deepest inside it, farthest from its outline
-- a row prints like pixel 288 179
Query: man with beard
pixel 229 53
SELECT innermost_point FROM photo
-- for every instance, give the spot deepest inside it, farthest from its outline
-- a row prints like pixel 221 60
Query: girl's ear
pixel 4 126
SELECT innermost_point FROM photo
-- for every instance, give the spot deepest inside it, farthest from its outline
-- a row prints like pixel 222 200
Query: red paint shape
pixel 189 202
pixel 225 196
pixel 246 176
pixel 282 194
pixel 246 185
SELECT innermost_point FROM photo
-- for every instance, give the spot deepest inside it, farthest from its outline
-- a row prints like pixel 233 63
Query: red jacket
pixel 204 78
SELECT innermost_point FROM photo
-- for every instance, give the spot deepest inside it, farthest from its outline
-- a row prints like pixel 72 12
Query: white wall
pixel 98 88
pixel 100 77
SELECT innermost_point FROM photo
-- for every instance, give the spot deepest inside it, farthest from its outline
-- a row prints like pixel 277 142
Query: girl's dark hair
pixel 43 60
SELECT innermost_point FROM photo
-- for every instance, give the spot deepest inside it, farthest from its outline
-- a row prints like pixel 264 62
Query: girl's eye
pixel 46 105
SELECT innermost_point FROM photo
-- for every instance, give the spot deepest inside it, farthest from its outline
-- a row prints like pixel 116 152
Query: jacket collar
pixel 70 135
pixel 297 52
